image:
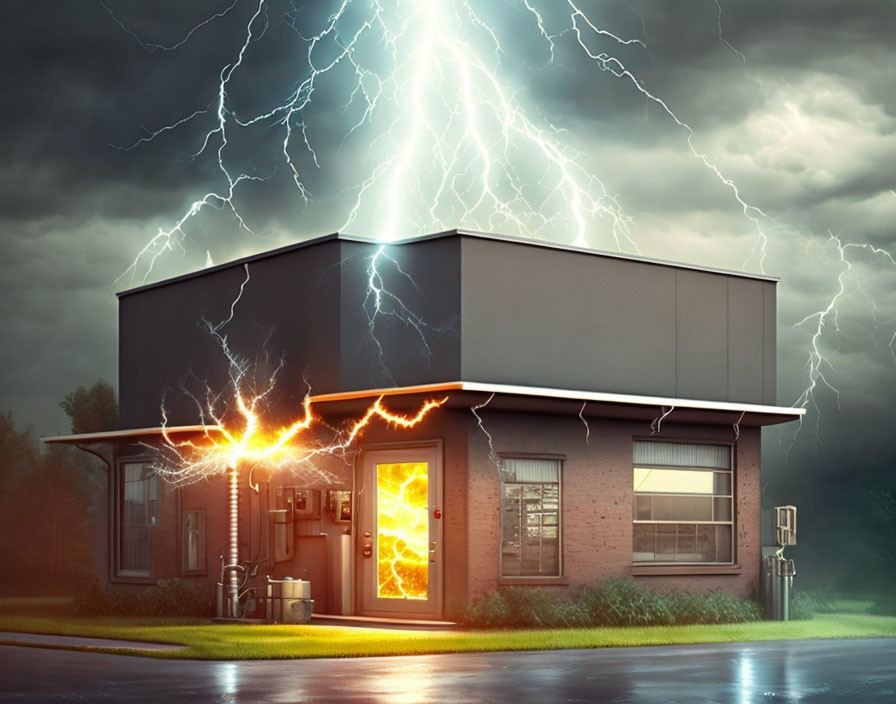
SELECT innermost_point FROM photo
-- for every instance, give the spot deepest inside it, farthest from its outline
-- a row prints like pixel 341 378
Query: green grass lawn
pixel 237 641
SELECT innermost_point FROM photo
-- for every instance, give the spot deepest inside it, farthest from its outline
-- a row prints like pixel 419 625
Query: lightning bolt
pixel 824 324
pixel 492 453
pixel 585 421
pixel 656 425
pixel 448 140
pixel 380 302
pixel 736 426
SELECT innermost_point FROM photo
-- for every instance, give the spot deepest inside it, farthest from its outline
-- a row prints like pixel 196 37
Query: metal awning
pixel 134 433
pixel 750 414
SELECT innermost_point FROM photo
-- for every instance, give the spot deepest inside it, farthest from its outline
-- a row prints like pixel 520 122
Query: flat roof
pixel 441 235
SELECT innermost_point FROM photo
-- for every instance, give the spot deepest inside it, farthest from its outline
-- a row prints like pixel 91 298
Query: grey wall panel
pixel 770 344
pixel 701 341
pixel 476 309
pixel 544 317
pixel 289 311
pixel 415 337
pixel 745 340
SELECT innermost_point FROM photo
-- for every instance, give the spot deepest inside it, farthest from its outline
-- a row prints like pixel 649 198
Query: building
pixel 603 419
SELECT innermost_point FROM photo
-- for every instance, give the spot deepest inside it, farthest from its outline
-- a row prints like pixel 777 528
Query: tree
pixel 18 458
pixel 64 525
pixel 92 410
pixel 881 534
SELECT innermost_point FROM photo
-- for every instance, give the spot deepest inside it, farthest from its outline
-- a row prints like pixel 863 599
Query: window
pixel 138 513
pixel 530 518
pixel 683 503
pixel 194 541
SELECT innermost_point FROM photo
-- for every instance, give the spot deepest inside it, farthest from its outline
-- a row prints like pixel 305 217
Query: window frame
pixel 731 470
pixel 203 543
pixel 120 574
pixel 533 578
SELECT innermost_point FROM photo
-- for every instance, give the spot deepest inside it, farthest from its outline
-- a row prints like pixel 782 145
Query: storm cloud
pixel 793 102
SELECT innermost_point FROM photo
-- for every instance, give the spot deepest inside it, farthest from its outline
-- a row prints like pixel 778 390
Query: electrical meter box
pixel 306 504
pixel 785 525
pixel 339 505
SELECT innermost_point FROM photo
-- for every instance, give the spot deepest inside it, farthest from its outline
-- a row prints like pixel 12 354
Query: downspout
pixel 233 557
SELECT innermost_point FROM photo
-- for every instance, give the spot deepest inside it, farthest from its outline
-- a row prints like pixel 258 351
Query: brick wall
pixel 597 498
pixel 596 504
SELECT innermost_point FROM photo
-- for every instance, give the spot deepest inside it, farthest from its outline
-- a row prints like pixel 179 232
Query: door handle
pixel 432 552
pixel 367 549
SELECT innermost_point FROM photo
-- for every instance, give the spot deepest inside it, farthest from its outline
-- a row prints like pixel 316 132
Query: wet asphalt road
pixel 798 671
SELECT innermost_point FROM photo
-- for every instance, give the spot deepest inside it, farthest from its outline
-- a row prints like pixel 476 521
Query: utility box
pixel 306 504
pixel 284 547
pixel 785 525
pixel 777 571
pixel 288 601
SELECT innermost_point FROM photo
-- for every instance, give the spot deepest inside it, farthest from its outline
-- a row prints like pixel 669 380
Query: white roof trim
pixel 122 434
pixel 571 394
pixel 475 386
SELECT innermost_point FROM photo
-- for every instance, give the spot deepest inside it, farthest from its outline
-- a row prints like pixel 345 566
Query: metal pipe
pixel 233 595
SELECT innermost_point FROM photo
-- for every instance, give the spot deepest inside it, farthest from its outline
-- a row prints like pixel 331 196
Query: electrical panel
pixel 339 505
pixel 306 504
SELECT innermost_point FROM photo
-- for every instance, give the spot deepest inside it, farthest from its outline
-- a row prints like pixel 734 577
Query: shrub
pixel 88 597
pixel 621 602
pixel 491 611
pixel 170 597
pixel 884 605
pixel 530 607
pixel 805 604
pixel 719 607
pixel 617 602
pixel 175 597
pixel 521 607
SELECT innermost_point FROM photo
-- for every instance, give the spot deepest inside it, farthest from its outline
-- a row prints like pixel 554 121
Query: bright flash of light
pixel 249 442
pixel 238 434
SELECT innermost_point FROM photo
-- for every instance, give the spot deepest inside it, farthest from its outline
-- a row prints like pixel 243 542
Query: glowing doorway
pixel 402 530
pixel 399 543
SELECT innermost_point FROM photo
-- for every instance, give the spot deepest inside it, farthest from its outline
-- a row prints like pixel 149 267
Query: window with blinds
pixel 530 517
pixel 683 508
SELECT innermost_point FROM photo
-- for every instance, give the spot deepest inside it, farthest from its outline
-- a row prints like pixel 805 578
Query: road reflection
pixel 745 686
pixel 739 673
pixel 413 682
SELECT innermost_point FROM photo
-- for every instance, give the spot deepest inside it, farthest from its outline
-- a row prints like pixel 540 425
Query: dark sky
pixel 777 125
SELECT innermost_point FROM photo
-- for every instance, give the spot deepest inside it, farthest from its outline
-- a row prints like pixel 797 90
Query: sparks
pixel 247 442
pixel 238 434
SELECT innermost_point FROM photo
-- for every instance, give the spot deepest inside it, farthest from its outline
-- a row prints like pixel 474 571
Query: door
pixel 399 532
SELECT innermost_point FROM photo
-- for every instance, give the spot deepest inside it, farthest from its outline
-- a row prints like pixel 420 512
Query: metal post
pixel 233 556
pixel 768 586
pixel 785 590
pixel 776 589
